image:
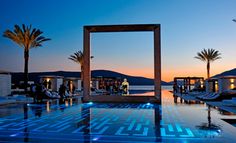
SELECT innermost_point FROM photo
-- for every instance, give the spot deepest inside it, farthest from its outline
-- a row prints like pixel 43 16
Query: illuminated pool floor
pixel 116 123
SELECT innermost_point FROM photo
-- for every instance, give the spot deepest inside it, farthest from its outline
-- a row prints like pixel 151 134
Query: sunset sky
pixel 187 26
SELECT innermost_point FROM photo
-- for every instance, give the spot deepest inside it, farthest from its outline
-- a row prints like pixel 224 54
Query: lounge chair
pixel 231 102
pixel 212 97
pixel 227 102
pixel 51 95
pixel 101 91
pixel 209 96
pixel 222 96
pixel 204 95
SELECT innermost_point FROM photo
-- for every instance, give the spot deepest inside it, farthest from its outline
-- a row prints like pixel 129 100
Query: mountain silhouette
pixel 133 80
pixel 231 72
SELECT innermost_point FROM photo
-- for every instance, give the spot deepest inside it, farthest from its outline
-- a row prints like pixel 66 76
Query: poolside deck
pixel 15 100
pixel 124 99
pixel 6 101
pixel 220 105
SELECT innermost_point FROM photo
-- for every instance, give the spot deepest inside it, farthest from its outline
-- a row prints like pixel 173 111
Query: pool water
pixel 111 123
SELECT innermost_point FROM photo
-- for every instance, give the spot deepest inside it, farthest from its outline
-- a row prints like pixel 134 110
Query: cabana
pixel 73 83
pixel 227 83
pixel 188 83
pixel 101 82
pixel 221 84
pixel 220 88
pixel 212 85
pixel 5 83
pixel 51 82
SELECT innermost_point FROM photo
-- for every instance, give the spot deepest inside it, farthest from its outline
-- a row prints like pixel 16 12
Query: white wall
pixel 79 85
pixel 59 81
pixel 208 86
pixel 226 84
pixel 5 84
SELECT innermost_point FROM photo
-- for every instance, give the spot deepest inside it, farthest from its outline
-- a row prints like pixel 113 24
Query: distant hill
pixel 171 82
pixel 227 73
pixel 133 80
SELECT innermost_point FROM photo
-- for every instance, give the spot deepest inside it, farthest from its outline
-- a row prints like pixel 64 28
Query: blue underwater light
pixel 90 103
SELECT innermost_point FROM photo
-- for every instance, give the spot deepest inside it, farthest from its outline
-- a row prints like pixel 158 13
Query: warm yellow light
pixel 48 106
pixel 201 83
pixel 231 80
pixel 216 85
pixel 71 86
pixel 66 103
pixel 71 102
pixel 48 79
pixel 231 85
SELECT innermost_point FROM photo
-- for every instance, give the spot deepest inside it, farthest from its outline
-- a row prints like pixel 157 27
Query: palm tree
pixel 208 55
pixel 27 38
pixel 78 57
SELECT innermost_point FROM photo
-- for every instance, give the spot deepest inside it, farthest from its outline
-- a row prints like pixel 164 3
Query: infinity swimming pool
pixel 96 122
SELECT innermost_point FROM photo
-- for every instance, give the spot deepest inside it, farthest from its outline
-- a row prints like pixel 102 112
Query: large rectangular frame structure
pixel 156 29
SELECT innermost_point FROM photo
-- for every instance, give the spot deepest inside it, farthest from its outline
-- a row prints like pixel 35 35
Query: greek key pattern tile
pixel 119 120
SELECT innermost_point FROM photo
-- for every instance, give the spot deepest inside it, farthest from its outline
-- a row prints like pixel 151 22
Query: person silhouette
pixel 62 90
pixel 45 83
pixel 49 84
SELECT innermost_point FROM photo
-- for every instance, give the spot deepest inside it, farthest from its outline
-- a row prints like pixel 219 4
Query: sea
pixel 145 90
pixel 149 87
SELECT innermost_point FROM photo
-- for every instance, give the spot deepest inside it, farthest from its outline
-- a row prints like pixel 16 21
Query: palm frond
pixel 13 36
pixel 208 55
pixel 26 36
pixel 77 57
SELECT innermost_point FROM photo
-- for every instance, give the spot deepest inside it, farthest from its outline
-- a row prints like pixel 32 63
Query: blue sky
pixel 187 26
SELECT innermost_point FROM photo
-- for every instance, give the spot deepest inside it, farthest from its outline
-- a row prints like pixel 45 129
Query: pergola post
pixel 157 62
pixel 86 67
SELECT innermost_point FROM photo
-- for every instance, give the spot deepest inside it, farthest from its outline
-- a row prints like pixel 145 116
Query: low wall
pixel 122 99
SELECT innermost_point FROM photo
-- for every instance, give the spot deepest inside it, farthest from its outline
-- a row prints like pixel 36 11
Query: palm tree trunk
pixel 208 69
pixel 26 78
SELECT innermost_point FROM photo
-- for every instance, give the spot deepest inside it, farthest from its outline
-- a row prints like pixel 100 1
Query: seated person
pixel 62 90
pixel 67 93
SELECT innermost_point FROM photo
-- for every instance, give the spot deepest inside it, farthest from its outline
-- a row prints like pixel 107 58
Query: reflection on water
pixel 209 129
pixel 48 106
pixel 141 93
pixel 127 120
pixel 145 90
